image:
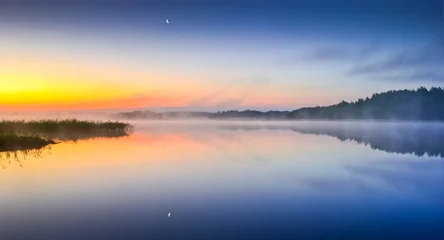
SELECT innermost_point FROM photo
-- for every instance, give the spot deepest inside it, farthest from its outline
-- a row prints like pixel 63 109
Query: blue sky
pixel 233 54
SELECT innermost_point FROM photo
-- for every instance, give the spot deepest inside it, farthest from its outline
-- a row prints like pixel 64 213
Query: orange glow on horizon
pixel 31 82
pixel 34 82
pixel 106 104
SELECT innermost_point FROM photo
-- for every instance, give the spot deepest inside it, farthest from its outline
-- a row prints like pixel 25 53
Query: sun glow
pixel 27 83
pixel 45 82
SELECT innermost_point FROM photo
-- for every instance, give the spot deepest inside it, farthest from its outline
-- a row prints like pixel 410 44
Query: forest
pixel 411 105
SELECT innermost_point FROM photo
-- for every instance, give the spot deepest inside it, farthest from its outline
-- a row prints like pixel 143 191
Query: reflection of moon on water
pixel 167 21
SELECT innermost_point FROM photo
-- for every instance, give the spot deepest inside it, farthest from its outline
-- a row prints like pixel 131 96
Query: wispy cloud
pixel 418 63
pixel 241 87
pixel 335 53
pixel 431 76
pixel 430 56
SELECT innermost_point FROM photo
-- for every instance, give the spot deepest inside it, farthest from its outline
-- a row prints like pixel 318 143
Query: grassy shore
pixel 21 135
pixel 14 142
pixel 62 126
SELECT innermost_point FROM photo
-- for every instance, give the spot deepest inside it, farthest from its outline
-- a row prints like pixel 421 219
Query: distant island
pixel 411 105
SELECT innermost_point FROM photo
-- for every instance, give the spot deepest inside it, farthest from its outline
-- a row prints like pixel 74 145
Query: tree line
pixel 420 104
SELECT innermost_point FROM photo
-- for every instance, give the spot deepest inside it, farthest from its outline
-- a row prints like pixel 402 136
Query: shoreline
pixel 35 134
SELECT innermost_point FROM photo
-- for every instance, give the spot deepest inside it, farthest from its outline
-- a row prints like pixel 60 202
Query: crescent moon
pixel 167 21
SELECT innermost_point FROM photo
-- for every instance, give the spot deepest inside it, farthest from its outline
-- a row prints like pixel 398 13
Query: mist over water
pixel 221 119
pixel 232 179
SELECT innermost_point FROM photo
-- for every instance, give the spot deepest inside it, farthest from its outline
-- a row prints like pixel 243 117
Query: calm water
pixel 232 181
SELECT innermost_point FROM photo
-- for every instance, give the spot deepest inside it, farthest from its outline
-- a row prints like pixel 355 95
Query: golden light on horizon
pixel 32 83
pixel 46 82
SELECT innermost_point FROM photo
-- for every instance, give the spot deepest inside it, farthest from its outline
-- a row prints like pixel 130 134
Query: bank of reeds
pixel 61 126
pixel 21 135
pixel 10 142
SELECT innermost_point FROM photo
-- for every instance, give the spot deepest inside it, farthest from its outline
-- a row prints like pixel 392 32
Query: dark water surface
pixel 231 180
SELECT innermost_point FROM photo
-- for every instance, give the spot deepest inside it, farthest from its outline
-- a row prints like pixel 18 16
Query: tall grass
pixel 17 142
pixel 62 126
pixel 34 134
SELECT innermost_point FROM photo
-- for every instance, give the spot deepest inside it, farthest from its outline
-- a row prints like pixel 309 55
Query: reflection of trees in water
pixel 407 138
pixel 8 157
pixel 20 153
pixel 74 137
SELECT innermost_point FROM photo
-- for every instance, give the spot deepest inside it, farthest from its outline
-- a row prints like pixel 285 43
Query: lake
pixel 231 180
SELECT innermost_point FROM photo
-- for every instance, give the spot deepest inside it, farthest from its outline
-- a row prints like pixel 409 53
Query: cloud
pixel 417 63
pixel 335 53
pixel 130 101
pixel 230 102
pixel 430 56
pixel 243 86
pixel 432 76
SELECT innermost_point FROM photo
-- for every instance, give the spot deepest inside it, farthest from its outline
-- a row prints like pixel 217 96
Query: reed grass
pixel 62 126
pixel 34 134
pixel 16 142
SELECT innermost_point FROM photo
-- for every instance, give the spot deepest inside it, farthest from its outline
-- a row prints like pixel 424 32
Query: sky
pixel 214 55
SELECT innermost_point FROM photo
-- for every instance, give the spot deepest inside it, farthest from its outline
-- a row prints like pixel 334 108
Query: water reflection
pixel 423 177
pixel 365 175
pixel 225 181
pixel 20 153
pixel 9 157
pixel 406 138
pixel 74 137
pixel 369 177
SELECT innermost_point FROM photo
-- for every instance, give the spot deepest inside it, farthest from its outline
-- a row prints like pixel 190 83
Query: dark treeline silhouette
pixel 248 114
pixel 251 114
pixel 421 104
pixel 140 115
pixel 166 115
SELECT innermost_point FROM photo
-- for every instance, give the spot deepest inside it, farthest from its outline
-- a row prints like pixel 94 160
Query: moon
pixel 167 21
pixel 169 214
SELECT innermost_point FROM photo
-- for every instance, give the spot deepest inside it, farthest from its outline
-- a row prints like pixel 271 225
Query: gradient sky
pixel 214 54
